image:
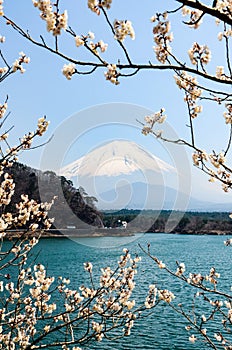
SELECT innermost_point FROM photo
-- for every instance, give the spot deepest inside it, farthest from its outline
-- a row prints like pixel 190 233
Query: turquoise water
pixel 163 330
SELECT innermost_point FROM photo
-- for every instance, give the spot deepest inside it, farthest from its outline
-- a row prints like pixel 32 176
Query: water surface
pixel 163 330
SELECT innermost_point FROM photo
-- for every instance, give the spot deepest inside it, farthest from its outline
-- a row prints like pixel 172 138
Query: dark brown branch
pixel 190 121
pixel 40 145
pixel 4 60
pixel 44 43
pixel 130 74
pixel 176 10
pixel 86 73
pixel 207 10
pixel 133 66
pixel 202 166
pixel 195 22
pixel 184 279
pixel 228 56
pixel 56 43
pixel 229 142
pixel 95 54
pixel 194 324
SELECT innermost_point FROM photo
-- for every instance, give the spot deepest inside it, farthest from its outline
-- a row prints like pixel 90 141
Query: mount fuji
pixel 121 174
pixel 114 159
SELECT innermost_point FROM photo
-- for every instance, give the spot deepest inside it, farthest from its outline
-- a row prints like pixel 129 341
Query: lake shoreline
pixel 97 233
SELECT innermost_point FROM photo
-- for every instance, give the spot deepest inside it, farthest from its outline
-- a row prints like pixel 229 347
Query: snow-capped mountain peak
pixel 113 159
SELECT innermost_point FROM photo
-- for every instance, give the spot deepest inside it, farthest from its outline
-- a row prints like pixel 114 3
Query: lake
pixel 163 330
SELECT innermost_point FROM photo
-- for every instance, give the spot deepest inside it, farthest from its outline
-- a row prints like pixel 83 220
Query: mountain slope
pixel 70 206
pixel 114 159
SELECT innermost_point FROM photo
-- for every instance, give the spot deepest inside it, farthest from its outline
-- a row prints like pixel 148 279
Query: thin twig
pixel 190 121
pixel 133 66
pixel 229 142
pixel 119 41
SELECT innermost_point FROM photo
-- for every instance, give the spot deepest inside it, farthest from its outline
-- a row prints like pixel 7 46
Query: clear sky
pixel 43 90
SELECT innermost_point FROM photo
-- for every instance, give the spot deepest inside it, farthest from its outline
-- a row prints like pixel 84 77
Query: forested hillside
pixel 37 184
pixel 190 223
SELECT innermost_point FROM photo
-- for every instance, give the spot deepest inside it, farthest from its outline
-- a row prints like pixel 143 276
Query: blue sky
pixel 43 90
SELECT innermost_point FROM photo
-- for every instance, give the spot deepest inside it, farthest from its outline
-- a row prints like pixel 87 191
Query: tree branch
pixel 207 9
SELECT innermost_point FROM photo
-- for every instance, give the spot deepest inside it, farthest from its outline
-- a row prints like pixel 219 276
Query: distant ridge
pixel 159 198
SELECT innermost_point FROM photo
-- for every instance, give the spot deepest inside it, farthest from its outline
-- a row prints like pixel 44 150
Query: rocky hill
pixel 72 207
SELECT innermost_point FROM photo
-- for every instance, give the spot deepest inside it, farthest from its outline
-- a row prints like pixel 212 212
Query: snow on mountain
pixel 115 158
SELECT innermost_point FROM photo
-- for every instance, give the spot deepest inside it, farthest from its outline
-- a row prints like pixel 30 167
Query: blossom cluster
pixel 68 70
pixel 161 264
pixel 151 120
pixel 112 74
pixel 42 126
pixel 29 211
pixel 198 279
pixel 3 109
pixel 10 154
pixel 1 8
pixel 199 157
pixel 192 92
pixel 229 240
pixel 192 338
pixel 226 34
pixel 199 54
pixel 162 37
pixel 166 295
pixel 207 289
pixel 6 190
pixel 27 139
pixel 189 84
pixel 95 5
pixel 224 6
pixel 195 16
pixel 212 276
pixel 228 114
pixel 35 292
pixel 17 65
pixel 3 70
pixel 220 73
pixel 116 291
pixel 55 21
pixel 19 328
pixel 4 136
pixel 217 159
pixel 221 172
pixel 99 45
pixel 81 40
pixel 88 267
pixel 123 29
pixel 151 297
pixel 180 269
